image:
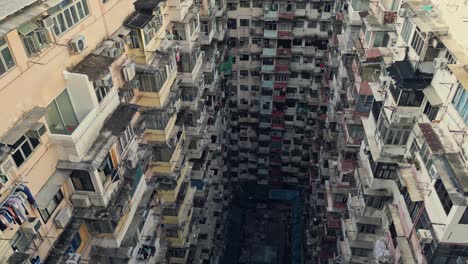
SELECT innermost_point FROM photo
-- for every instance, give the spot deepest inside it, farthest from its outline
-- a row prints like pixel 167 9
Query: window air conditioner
pixel 73 258
pixel 433 172
pixel 63 217
pixel 424 236
pixel 120 44
pixel 81 200
pixel 46 22
pixel 129 71
pixel 111 52
pixel 105 81
pixel 31 227
pixel 440 63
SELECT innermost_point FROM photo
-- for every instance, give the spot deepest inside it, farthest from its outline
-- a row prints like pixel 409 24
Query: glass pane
pixel 26 149
pixel 68 18
pixel 80 10
pixel 85 7
pixel 6 54
pixel 54 121
pixel 61 21
pixel 18 158
pixel 74 14
pixel 66 110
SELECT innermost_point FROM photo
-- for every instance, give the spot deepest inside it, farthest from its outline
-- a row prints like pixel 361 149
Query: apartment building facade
pixel 109 129
pixel 396 192
pixel 276 90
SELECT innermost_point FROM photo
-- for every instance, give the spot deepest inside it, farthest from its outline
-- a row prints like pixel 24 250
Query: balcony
pixel 268 68
pixel 76 116
pixel 285 34
pixel 283 52
pixel 269 52
pixel 282 67
pixel 270 34
pixel 286 15
pixel 269 15
pixel 279 99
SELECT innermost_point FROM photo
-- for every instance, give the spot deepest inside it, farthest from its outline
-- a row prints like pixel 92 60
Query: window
pixel 107 169
pixel 309 42
pixel 380 39
pixel 51 206
pixel 102 226
pixel 418 41
pixel 406 30
pixel 244 22
pixel 68 17
pixel 312 24
pixel 257 4
pixel 460 102
pixel 301 5
pixel 74 244
pixel 243 73
pixel 151 81
pixel 134 39
pixel 232 23
pixel 101 91
pixel 244 57
pixel 34 39
pixel 232 6
pixel 23 148
pixel 299 24
pixel 6 59
pixel 443 196
pixel 82 180
pixel 256 41
pixel 297 42
pixel 244 3
pixel 126 137
pixel 244 87
pixel 60 116
pixel 464 218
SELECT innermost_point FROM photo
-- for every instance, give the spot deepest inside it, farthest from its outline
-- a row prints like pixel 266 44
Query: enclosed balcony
pixel 76 116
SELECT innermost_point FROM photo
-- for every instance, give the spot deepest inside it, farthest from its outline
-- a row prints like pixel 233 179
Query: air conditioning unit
pixel 433 172
pixel 105 81
pixel 129 71
pixel 187 244
pixel 111 52
pixel 424 236
pixel 120 44
pixel 63 217
pixel 402 12
pixel 136 84
pixel 78 44
pixel 440 63
pixel 46 22
pixel 73 258
pixel 79 200
pixel 36 131
pixel 132 160
pixel 384 81
pixel 8 169
pixel 31 227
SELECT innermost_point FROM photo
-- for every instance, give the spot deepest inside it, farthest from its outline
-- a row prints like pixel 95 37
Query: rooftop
pixel 120 119
pixel 94 66
pixel 431 138
pixel 138 20
pixel 406 77
pixel 147 6
pixel 9 7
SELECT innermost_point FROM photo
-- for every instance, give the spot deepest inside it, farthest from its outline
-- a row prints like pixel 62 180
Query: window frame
pixel 57 199
pixel 5 47
pixel 60 29
pixel 18 146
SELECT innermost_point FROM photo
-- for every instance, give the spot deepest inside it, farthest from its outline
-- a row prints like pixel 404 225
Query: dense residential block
pixel 225 131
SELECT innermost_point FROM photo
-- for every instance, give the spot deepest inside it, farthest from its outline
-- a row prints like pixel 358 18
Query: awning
pixel 52 186
pixel 461 73
pixel 27 28
pixel 23 125
pixel 432 96
pixel 411 184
